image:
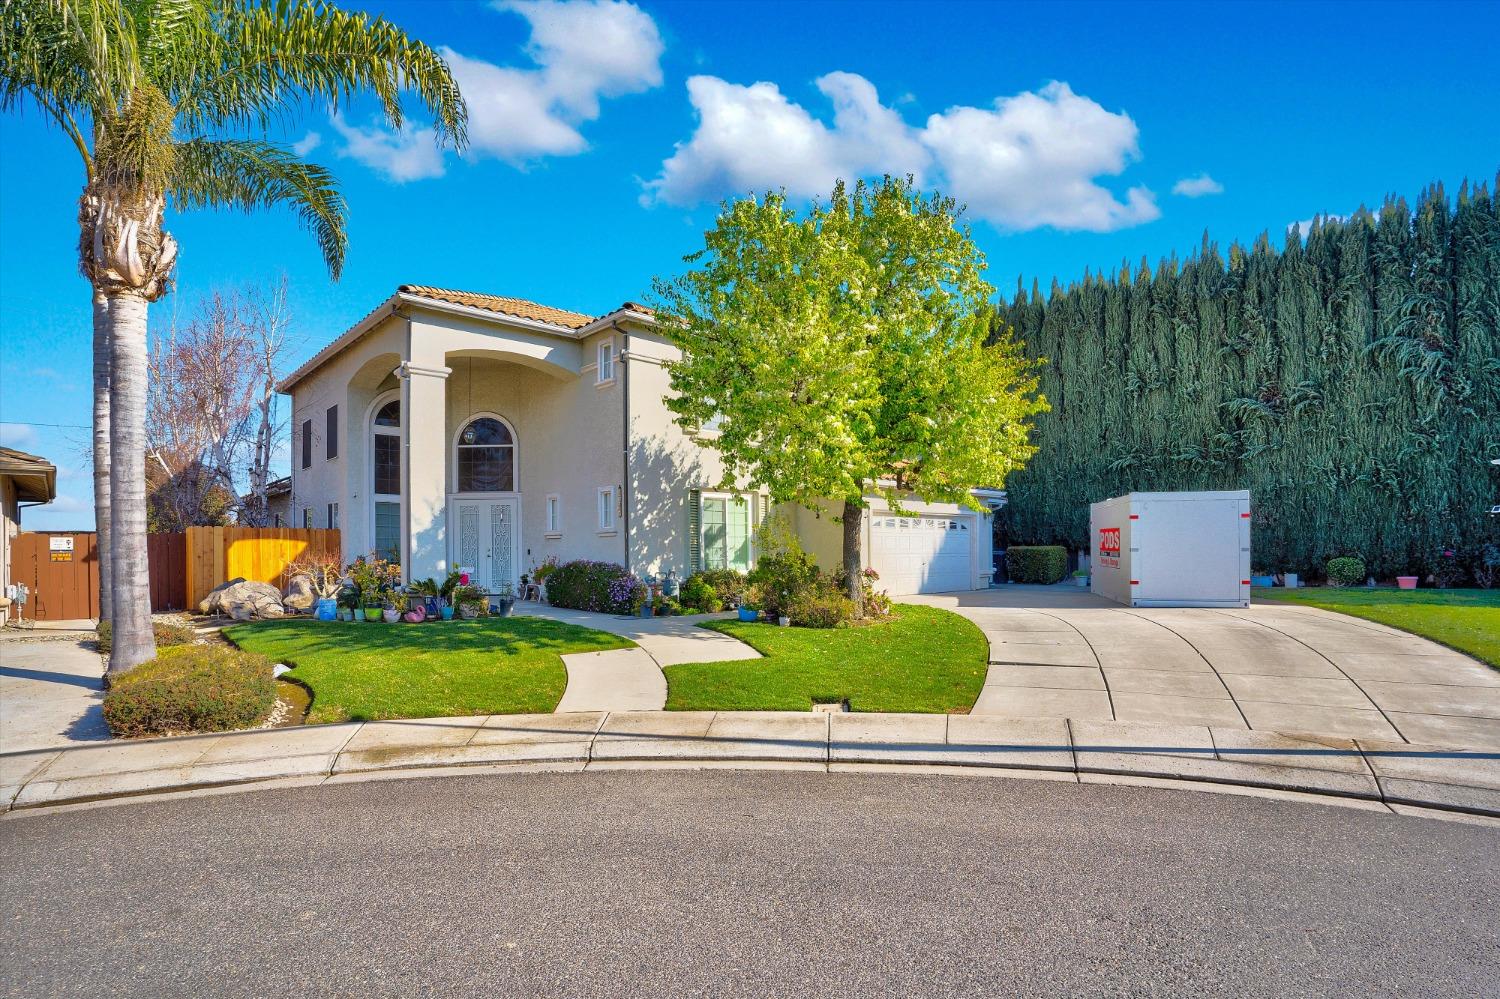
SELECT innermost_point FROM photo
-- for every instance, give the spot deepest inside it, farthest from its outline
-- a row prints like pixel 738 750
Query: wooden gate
pixel 218 554
pixel 61 569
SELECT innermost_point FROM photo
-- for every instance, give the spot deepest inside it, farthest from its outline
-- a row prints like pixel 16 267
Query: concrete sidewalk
pixel 1394 776
pixel 632 679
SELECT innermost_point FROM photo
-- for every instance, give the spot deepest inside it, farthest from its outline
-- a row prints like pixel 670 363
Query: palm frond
pixel 249 174
pixel 265 59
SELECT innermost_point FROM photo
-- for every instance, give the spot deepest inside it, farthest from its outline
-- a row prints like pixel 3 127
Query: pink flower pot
pixel 1407 582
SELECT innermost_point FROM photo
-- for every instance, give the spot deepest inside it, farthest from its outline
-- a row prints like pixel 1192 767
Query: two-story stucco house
pixel 449 429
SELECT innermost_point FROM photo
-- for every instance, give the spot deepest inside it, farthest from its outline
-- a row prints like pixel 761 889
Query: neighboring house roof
pixel 279 487
pixel 36 478
pixel 516 311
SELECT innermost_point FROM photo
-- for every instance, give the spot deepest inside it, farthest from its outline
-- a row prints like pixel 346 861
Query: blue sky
pixel 604 133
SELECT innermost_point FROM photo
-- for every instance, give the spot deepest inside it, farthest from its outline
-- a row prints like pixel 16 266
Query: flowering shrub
pixel 595 586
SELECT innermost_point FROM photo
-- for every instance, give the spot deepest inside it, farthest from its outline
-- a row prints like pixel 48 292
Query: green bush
pixel 1036 563
pixel 820 606
pixel 731 585
pixel 777 578
pixel 595 586
pixel 1346 570
pixel 191 688
pixel 696 594
pixel 166 634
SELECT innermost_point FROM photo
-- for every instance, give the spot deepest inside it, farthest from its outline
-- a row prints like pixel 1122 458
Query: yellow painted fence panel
pixel 218 554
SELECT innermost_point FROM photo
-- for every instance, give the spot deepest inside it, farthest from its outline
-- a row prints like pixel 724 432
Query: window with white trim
pixel 386 473
pixel 606 508
pixel 724 530
pixel 486 457
pixel 606 371
pixel 553 527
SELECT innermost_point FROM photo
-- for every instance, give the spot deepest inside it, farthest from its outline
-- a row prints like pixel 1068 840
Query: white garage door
pixel 921 554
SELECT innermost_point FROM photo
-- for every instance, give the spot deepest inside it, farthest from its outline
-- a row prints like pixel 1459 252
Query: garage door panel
pixel 922 554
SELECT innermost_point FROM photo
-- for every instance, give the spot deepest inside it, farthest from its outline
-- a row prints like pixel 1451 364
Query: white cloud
pixel 411 154
pixel 1031 160
pixel 1197 187
pixel 583 51
pixel 17 435
pixel 306 144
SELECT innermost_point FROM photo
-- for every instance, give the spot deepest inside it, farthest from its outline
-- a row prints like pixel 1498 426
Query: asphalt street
pixel 744 884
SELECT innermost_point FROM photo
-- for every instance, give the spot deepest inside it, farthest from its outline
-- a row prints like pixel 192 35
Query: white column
pixel 424 409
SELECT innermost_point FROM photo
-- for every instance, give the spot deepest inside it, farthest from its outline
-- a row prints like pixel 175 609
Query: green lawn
pixel 924 659
pixel 1466 620
pixel 367 672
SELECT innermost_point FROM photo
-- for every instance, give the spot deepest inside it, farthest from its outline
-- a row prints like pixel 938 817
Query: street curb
pixel 1443 780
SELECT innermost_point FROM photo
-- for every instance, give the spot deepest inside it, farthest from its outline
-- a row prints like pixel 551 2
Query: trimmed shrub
pixel 1036 563
pixel 1346 570
pixel 696 594
pixel 191 688
pixel 166 634
pixel 595 586
pixel 820 606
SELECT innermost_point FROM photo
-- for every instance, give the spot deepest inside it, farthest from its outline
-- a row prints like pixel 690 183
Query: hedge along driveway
pixel 378 671
pixel 924 660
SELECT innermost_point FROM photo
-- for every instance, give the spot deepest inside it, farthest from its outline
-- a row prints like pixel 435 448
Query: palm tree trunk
pixel 854 511
pixel 101 451
pixel 132 639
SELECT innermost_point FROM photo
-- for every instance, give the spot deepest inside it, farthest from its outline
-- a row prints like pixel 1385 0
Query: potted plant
pixel 348 601
pixel 469 600
pixel 450 585
pixel 1081 577
pixel 423 595
pixel 326 574
pixel 748 612
pixel 505 600
pixel 784 621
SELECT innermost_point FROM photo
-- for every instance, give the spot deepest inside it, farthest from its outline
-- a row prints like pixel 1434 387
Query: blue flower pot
pixel 749 614
pixel 447 613
pixel 328 609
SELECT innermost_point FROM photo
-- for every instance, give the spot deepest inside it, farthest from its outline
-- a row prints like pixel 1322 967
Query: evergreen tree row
pixel 1351 382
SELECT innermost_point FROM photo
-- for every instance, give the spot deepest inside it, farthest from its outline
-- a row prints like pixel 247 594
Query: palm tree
pixel 167 102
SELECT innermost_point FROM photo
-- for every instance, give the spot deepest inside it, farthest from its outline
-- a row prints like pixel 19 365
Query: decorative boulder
pixel 299 593
pixel 210 603
pixel 248 600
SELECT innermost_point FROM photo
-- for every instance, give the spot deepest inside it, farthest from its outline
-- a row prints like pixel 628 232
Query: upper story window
pixel 307 443
pixel 333 433
pixel 486 458
pixel 387 449
pixel 606 361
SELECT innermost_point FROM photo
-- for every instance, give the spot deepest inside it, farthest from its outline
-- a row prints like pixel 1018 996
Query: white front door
pixel 486 542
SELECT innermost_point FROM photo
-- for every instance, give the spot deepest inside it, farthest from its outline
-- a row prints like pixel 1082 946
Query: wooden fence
pixel 218 554
pixel 184 567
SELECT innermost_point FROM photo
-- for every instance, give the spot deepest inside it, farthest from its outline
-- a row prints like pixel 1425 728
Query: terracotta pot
pixel 1407 582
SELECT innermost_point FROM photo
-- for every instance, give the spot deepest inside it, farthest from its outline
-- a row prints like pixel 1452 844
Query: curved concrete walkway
pixel 1056 652
pixel 631 679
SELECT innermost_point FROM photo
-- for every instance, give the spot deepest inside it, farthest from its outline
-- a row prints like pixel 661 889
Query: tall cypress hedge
pixel 1351 382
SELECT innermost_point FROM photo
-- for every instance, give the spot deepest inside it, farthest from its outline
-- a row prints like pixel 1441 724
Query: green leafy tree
pixel 844 354
pixel 168 102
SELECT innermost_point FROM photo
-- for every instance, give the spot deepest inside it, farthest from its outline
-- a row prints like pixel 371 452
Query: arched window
pixel 385 466
pixel 486 458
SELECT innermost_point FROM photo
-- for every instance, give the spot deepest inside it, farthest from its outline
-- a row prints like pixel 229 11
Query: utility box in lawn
pixel 1172 549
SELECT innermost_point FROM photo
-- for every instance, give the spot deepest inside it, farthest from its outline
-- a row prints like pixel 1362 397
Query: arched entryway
pixel 484 508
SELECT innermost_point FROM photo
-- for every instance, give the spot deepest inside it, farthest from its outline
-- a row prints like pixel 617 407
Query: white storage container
pixel 1172 549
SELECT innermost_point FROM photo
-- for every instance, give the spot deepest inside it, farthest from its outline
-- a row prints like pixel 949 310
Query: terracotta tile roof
pixel 518 307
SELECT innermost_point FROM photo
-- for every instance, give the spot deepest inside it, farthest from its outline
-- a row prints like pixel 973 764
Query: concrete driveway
pixel 51 689
pixel 1063 653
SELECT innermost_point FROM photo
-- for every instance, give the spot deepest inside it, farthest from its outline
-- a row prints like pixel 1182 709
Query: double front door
pixel 486 540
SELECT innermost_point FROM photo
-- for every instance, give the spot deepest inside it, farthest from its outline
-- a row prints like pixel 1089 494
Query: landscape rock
pixel 210 603
pixel 248 600
pixel 299 593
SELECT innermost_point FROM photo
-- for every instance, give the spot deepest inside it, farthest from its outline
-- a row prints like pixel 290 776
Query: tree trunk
pixel 854 512
pixel 101 451
pixel 132 639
